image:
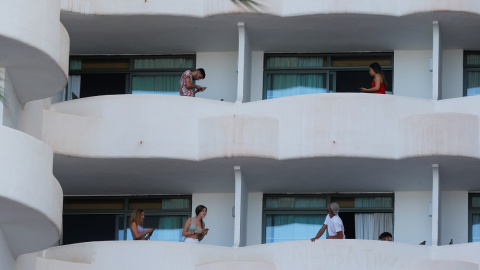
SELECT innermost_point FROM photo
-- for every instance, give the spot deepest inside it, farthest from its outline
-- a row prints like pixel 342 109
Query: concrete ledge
pixel 30 197
pixel 336 254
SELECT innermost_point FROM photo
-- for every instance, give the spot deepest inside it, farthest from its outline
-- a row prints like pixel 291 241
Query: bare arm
pixel 185 228
pixel 136 235
pixel 320 233
pixel 189 84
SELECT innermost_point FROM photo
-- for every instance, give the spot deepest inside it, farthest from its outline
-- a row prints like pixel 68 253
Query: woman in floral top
pixel 186 82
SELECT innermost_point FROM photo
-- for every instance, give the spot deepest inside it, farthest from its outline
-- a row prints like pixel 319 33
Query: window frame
pixel 328 69
pixel 328 197
pixel 471 211
pixel 131 71
pixel 467 68
pixel 126 212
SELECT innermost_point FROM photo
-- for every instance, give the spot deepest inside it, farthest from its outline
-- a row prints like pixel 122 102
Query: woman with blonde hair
pixel 194 228
pixel 136 226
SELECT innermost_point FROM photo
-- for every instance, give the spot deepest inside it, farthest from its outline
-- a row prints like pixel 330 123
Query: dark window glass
pixel 86 228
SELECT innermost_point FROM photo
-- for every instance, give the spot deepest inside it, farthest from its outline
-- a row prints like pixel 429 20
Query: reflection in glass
pixel 476 228
pixel 281 228
pixel 284 85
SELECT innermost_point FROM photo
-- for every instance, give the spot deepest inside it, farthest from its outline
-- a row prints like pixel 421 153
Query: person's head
pixel 385 236
pixel 201 211
pixel 375 68
pixel 137 216
pixel 199 74
pixel 333 209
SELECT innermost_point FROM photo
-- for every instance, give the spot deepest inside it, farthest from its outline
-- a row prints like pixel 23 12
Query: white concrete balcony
pixel 324 125
pixel 30 197
pixel 165 142
pixel 276 7
pixel 35 48
pixel 323 254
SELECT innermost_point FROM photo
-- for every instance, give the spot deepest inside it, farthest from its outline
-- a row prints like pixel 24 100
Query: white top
pixel 334 225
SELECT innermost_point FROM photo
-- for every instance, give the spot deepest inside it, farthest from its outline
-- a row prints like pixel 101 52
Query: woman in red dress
pixel 379 83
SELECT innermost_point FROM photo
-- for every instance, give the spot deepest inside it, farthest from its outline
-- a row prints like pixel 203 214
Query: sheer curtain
pixel 298 83
pixel 73 87
pixel 289 227
pixel 161 84
pixel 370 226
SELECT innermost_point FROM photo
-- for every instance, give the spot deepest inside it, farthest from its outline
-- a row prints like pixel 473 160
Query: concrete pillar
pixel 244 65
pixel 241 202
pixel 2 93
pixel 436 63
pixel 436 193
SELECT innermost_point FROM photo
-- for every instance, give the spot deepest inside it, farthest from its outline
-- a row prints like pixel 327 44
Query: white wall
pixel 411 73
pixel 219 217
pixel 412 224
pixel 221 75
pixel 452 74
pixel 257 76
pixel 254 219
pixel 454 217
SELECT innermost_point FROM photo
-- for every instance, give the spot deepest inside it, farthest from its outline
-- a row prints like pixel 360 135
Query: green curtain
pixel 473 59
pixel 476 228
pixel 373 202
pixel 75 64
pixel 294 62
pixel 281 228
pixel 175 203
pixel 160 84
pixel 295 202
pixel 171 228
pixel 283 85
pixel 473 83
pixel 163 63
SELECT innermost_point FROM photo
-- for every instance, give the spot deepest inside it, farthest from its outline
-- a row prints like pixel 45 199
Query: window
pixel 113 75
pixel 299 74
pixel 474 218
pixel 471 64
pixel 107 218
pixel 299 217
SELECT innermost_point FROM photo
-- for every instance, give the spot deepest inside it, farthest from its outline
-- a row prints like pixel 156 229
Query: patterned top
pixel 184 91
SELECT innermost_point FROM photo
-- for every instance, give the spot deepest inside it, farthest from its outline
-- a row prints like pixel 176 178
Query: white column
pixel 436 62
pixel 244 65
pixel 436 192
pixel 241 197
pixel 2 93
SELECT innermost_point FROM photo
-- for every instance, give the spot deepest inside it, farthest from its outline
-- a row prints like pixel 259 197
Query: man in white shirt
pixel 333 223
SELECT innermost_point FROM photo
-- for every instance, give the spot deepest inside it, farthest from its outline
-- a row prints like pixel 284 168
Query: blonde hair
pixel 137 217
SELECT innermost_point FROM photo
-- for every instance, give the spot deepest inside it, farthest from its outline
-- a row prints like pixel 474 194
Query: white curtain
pixel 73 87
pixel 370 226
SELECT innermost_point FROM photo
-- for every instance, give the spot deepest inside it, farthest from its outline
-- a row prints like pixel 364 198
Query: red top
pixel 381 90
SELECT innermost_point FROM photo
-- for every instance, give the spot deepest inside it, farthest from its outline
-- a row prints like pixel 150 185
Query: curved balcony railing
pixel 329 254
pixel 334 125
pixel 275 7
pixel 30 197
pixel 35 48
